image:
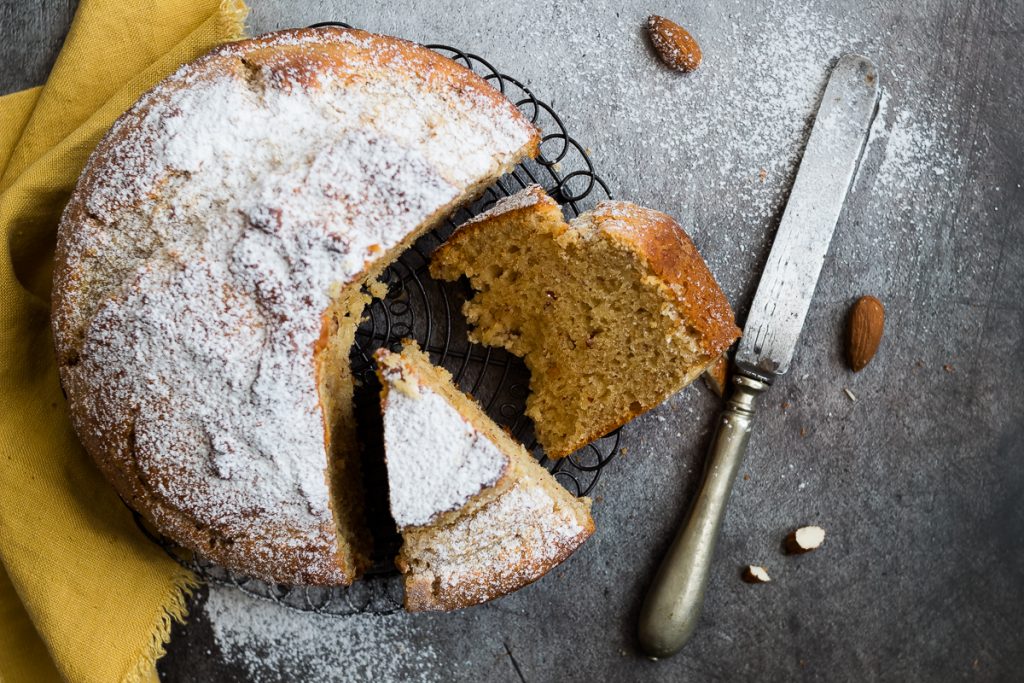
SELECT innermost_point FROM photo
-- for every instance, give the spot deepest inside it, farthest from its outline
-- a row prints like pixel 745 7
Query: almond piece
pixel 716 376
pixel 755 574
pixel 674 44
pixel 867 322
pixel 805 539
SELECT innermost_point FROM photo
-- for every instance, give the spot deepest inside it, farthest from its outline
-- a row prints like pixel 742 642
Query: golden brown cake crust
pixel 671 254
pixel 93 270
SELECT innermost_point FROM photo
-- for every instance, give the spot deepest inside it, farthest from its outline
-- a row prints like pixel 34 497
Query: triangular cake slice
pixel 479 517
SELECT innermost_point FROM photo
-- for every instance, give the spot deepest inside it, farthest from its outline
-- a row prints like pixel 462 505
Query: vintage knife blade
pixel 791 273
pixel 672 608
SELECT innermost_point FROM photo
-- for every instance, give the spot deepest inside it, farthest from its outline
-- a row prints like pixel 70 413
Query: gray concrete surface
pixel 917 482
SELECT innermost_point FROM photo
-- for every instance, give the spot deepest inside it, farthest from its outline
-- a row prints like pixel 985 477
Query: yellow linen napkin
pixel 83 594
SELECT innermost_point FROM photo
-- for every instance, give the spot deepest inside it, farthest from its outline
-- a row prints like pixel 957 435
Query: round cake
pixel 209 271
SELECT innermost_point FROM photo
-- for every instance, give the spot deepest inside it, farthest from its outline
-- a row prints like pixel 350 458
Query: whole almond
pixel 867 322
pixel 674 44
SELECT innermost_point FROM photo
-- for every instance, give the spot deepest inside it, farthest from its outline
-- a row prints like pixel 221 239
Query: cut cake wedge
pixel 479 517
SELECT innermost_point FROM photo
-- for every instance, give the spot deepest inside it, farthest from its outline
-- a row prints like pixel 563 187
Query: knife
pixel 672 607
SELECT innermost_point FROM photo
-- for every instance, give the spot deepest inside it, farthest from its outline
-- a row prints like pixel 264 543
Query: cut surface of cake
pixel 208 280
pixel 479 517
pixel 612 312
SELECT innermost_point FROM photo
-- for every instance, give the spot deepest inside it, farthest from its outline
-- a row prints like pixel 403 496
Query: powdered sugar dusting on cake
pixel 436 459
pixel 510 542
pixel 235 202
pixel 530 196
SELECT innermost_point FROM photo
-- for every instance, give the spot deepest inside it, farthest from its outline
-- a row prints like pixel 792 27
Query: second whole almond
pixel 867 323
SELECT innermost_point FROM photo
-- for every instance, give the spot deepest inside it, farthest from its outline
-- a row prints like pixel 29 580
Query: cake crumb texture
pixel 612 312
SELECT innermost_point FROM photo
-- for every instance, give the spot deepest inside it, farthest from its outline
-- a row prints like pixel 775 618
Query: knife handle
pixel 672 607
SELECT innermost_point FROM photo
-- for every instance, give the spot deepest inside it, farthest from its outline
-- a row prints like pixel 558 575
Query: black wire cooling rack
pixel 419 307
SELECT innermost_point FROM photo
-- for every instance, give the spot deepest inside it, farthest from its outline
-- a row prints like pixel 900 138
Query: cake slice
pixel 612 312
pixel 479 517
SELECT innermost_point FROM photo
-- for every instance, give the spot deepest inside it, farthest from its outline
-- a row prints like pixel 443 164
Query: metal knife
pixel 672 607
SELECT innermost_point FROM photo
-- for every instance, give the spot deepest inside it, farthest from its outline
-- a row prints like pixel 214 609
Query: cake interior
pixel 592 322
pixel 344 455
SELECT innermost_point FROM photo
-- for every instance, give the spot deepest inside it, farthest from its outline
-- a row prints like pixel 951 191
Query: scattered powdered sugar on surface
pixel 915 153
pixel 272 643
pixel 436 459
pixel 239 206
pixel 718 148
